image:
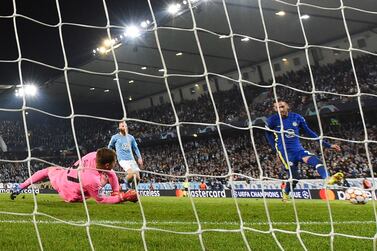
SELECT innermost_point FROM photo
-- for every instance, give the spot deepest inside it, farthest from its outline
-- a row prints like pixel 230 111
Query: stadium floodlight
pixel 109 42
pixel 102 50
pixel 132 31
pixel 280 13
pixel 305 17
pixel 26 90
pixel 145 24
pixel 174 8
pixel 30 90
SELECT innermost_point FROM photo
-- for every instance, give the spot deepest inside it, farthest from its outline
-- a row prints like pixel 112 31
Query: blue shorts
pixel 294 157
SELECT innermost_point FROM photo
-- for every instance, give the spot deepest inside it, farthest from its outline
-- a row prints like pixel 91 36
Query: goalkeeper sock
pixel 315 162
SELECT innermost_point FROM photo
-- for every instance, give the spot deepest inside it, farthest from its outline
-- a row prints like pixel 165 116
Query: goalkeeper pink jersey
pixel 66 181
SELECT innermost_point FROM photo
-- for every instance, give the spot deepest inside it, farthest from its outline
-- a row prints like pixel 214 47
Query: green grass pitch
pixel 117 227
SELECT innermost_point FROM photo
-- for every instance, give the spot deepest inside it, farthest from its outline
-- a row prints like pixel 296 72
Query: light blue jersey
pixel 123 146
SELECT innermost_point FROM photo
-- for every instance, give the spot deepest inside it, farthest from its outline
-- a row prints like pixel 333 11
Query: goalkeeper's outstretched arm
pixel 93 191
pixel 113 180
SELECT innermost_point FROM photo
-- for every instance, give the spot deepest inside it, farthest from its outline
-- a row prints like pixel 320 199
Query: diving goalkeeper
pixel 96 172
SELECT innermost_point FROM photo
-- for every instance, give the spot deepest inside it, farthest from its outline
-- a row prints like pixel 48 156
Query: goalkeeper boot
pixel 131 195
pixel 335 179
pixel 16 190
pixel 285 196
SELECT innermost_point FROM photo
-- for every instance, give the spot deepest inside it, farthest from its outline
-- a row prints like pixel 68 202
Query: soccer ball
pixel 356 195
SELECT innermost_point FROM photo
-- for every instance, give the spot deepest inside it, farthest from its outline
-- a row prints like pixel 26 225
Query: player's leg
pixel 315 162
pixel 125 165
pixel 35 178
pixel 287 164
pixel 337 178
pixel 295 176
pixel 285 195
pixel 134 177
pixel 132 170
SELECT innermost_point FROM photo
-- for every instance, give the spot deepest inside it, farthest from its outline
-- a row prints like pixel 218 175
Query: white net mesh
pixel 190 10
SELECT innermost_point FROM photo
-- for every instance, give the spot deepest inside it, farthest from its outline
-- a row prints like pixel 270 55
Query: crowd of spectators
pixel 54 139
pixel 205 156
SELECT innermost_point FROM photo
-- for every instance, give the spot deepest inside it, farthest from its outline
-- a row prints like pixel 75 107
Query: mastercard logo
pixel 325 194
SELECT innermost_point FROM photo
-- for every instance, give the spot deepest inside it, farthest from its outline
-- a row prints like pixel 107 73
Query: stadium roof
pixel 180 48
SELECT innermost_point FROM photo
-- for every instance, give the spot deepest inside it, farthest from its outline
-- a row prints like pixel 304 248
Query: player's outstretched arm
pixel 311 133
pixel 137 152
pixel 140 162
pixel 93 191
pixel 270 139
pixel 112 143
pixel 336 147
pixel 113 180
pixel 269 135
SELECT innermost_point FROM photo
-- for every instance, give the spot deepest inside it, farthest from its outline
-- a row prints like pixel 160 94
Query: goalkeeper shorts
pixel 129 164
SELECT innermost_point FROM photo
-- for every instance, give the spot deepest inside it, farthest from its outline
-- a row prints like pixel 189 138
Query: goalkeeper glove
pixel 130 195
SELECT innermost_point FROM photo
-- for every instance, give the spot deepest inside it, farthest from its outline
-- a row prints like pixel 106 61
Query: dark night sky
pixel 42 43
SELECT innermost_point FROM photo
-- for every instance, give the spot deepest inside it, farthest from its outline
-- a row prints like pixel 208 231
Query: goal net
pixel 195 81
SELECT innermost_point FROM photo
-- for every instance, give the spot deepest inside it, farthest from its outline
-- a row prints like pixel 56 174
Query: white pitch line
pixel 110 222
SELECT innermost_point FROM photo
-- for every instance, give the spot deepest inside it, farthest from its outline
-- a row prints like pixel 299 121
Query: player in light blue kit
pixel 292 123
pixel 123 143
